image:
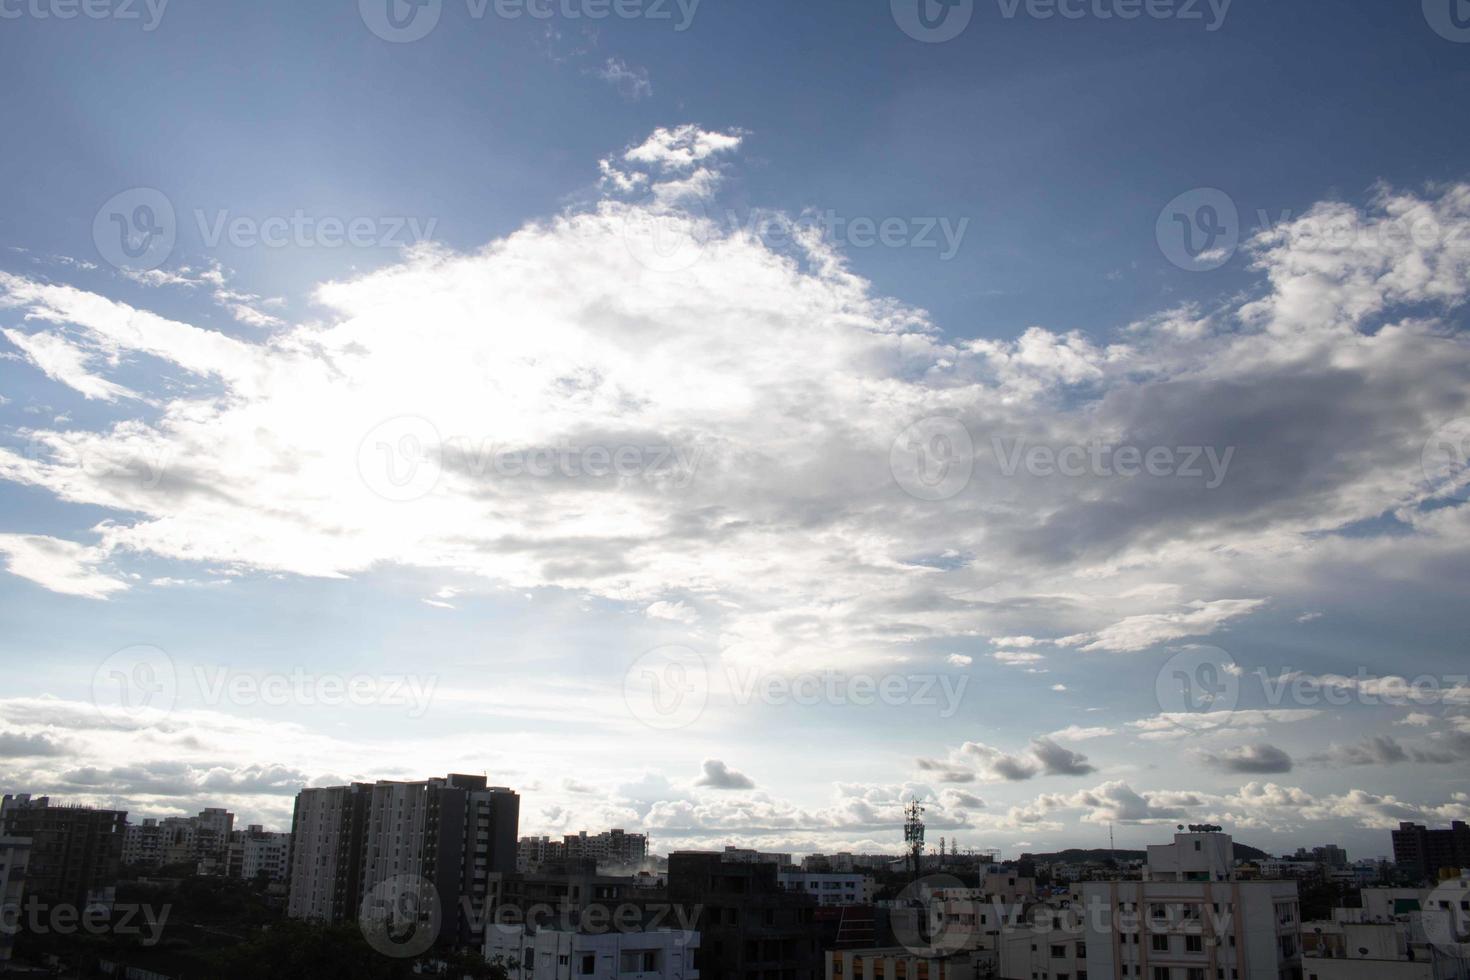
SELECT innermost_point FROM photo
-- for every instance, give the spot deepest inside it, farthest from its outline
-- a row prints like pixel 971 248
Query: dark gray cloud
pixel 717 775
pixel 1261 758
pixel 1059 761
pixel 14 745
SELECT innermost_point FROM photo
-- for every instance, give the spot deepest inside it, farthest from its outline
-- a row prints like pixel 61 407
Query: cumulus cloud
pixel 15 745
pixel 717 775
pixel 1261 758
pixel 974 761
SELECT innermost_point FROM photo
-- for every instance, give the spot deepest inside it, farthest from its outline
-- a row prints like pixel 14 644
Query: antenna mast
pixel 913 836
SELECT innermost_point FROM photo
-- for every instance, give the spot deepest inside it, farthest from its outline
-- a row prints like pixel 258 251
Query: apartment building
pixel 1397 934
pixel 15 853
pixel 200 841
pixel 899 963
pixel 1423 853
pixel 258 853
pixel 611 848
pixel 75 853
pixel 750 856
pixel 452 833
pixel 829 889
pixel 1042 954
pixel 750 927
pixel 559 954
pixel 1191 918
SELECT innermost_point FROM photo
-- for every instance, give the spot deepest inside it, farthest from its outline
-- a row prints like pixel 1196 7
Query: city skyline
pixel 703 435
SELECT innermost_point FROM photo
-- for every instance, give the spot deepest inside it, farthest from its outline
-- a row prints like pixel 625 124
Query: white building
pixel 1189 918
pixel 259 853
pixel 555 954
pixel 15 854
pixel 829 889
pixel 1055 949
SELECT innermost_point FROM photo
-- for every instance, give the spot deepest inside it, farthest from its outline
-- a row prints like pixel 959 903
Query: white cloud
pixel 674 612
pixel 61 566
pixel 632 81
pixel 1142 632
pixel 66 362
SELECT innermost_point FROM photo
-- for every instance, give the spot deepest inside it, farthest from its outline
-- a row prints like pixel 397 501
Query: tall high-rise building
pixel 1423 853
pixel 75 851
pixel 449 834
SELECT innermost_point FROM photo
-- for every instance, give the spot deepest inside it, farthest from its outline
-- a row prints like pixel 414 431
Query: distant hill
pixel 1075 855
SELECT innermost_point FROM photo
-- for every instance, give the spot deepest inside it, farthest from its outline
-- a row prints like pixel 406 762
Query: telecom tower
pixel 913 836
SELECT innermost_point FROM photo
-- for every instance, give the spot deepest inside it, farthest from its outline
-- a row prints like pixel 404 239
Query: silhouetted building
pixel 1421 852
pixel 75 851
pixel 750 927
pixel 350 843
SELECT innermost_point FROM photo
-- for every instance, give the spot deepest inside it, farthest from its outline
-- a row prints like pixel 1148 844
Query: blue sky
pixel 197 488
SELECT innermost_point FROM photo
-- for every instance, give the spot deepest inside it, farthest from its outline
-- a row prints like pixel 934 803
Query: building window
pixel 1161 944
pixel 1194 944
pixel 589 965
